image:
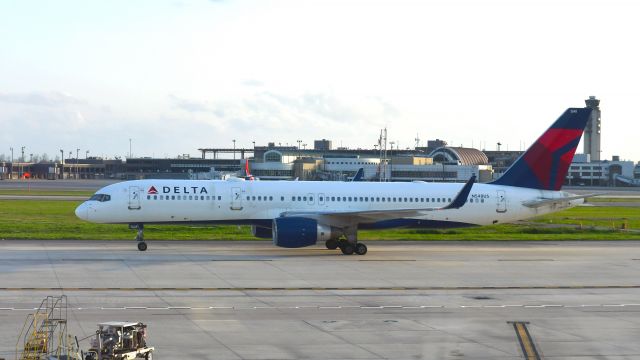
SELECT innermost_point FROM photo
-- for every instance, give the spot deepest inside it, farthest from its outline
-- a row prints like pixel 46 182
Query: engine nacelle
pixel 261 232
pixel 295 232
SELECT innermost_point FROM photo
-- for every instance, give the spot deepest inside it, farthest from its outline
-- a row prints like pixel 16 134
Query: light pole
pixel 391 161
pixel 11 176
pixel 299 141
pixel 86 154
pixel 130 148
pixel 234 149
pixel 61 164
pixel 77 155
pixel 21 162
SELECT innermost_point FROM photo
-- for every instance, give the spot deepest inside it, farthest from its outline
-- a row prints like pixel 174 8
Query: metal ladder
pixel 44 332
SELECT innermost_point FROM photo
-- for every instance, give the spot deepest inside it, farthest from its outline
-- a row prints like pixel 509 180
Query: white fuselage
pixel 249 202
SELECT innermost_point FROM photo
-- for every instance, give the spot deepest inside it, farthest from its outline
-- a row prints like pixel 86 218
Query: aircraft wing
pixel 367 216
pixel 559 201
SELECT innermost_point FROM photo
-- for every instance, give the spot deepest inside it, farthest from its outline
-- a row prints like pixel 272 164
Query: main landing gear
pixel 142 246
pixel 348 246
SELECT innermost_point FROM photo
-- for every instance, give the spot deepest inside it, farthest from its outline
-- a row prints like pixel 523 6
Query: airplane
pixel 302 213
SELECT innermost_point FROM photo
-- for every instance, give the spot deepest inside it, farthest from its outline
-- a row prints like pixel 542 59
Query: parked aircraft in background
pixel 301 213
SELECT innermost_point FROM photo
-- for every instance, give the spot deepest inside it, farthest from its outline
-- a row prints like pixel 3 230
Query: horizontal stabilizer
pixel 558 201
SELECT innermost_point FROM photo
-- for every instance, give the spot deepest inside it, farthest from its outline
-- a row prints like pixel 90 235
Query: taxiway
pixel 249 300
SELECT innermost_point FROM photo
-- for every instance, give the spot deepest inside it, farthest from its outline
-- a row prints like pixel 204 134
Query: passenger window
pixel 155 197
pixel 281 198
pixel 259 198
pixel 350 198
pixel 449 199
pixel 270 198
pixel 394 199
pixel 378 199
pixel 344 198
pixel 219 197
pixel 201 197
pixel 190 197
pixel 299 198
pixel 173 197
pixel 333 198
pixel 338 198
pixel 321 199
pixel 410 199
pixel 304 198
pixel 293 198
pixel 382 199
pixel 311 198
pixel 361 199
pixel 148 197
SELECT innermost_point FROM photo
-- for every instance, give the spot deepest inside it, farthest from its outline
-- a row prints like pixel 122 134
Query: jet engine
pixel 295 232
pixel 261 232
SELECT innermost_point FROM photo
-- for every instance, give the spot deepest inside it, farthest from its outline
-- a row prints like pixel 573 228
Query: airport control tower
pixel 592 131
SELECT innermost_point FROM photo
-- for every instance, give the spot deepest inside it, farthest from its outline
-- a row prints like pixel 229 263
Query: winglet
pixel 462 196
pixel 358 176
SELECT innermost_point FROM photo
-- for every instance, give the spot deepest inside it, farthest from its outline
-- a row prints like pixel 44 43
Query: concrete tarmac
pixel 403 300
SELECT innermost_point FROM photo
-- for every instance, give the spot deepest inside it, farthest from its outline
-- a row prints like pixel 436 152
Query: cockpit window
pixel 100 197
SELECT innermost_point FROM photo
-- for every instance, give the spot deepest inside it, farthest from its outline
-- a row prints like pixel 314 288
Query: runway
pixel 403 300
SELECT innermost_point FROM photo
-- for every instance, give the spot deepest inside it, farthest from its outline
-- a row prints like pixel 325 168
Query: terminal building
pixel 436 162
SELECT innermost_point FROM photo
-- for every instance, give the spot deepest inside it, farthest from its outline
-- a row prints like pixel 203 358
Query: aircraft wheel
pixel 361 249
pixel 142 246
pixel 149 356
pixel 331 244
pixel 348 249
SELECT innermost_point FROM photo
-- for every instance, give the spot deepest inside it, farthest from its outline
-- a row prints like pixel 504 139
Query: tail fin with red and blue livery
pixel 545 164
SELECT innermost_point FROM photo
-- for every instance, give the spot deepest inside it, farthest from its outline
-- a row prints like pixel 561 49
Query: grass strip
pixel 56 220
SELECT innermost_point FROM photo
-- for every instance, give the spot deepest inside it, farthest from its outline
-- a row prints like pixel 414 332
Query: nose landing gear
pixel 142 246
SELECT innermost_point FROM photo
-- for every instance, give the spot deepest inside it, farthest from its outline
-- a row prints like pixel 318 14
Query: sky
pixel 176 75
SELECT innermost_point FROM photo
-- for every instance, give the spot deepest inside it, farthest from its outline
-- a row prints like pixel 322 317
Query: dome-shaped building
pixel 459 155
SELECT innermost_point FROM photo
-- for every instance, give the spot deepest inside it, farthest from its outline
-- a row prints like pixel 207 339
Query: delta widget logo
pixel 152 190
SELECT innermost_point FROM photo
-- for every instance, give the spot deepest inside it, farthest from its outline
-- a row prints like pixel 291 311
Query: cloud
pixel 188 105
pixel 46 99
pixel 312 114
pixel 252 83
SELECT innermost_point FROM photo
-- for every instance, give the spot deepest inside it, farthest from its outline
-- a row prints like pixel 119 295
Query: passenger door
pixel 134 197
pixel 502 202
pixel 236 198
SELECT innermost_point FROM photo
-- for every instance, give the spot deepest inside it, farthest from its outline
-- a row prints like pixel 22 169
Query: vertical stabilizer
pixel 545 164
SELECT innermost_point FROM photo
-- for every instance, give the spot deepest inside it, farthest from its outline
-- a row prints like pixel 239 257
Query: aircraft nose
pixel 82 211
